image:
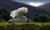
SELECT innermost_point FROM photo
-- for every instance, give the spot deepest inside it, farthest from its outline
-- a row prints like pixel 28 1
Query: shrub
pixel 42 18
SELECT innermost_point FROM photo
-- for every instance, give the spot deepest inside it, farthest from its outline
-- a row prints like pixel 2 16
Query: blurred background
pixel 38 11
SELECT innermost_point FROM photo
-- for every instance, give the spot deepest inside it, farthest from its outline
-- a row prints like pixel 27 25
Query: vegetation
pixel 39 22
pixel 24 25
pixel 42 18
pixel 4 14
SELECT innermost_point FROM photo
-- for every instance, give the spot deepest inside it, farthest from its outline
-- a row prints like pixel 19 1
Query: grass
pixel 25 26
pixel 21 23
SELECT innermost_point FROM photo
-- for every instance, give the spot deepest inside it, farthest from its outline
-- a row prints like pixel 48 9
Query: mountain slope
pixel 46 6
pixel 32 11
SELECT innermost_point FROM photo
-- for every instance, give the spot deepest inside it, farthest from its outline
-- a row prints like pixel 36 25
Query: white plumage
pixel 22 19
pixel 18 14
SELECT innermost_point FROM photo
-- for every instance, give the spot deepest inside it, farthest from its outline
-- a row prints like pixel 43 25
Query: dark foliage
pixel 4 14
pixel 41 18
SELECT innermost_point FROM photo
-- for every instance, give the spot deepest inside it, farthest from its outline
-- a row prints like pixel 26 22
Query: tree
pixel 4 14
pixel 41 18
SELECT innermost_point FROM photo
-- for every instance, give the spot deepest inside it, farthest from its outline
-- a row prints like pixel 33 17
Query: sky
pixel 32 0
pixel 35 3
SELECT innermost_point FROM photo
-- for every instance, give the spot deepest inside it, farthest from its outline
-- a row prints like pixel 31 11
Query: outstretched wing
pixel 18 12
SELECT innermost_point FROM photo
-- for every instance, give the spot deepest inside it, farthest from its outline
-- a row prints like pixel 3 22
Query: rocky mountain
pixel 32 11
pixel 46 6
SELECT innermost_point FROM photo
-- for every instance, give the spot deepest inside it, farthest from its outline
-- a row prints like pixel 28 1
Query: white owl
pixel 19 14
